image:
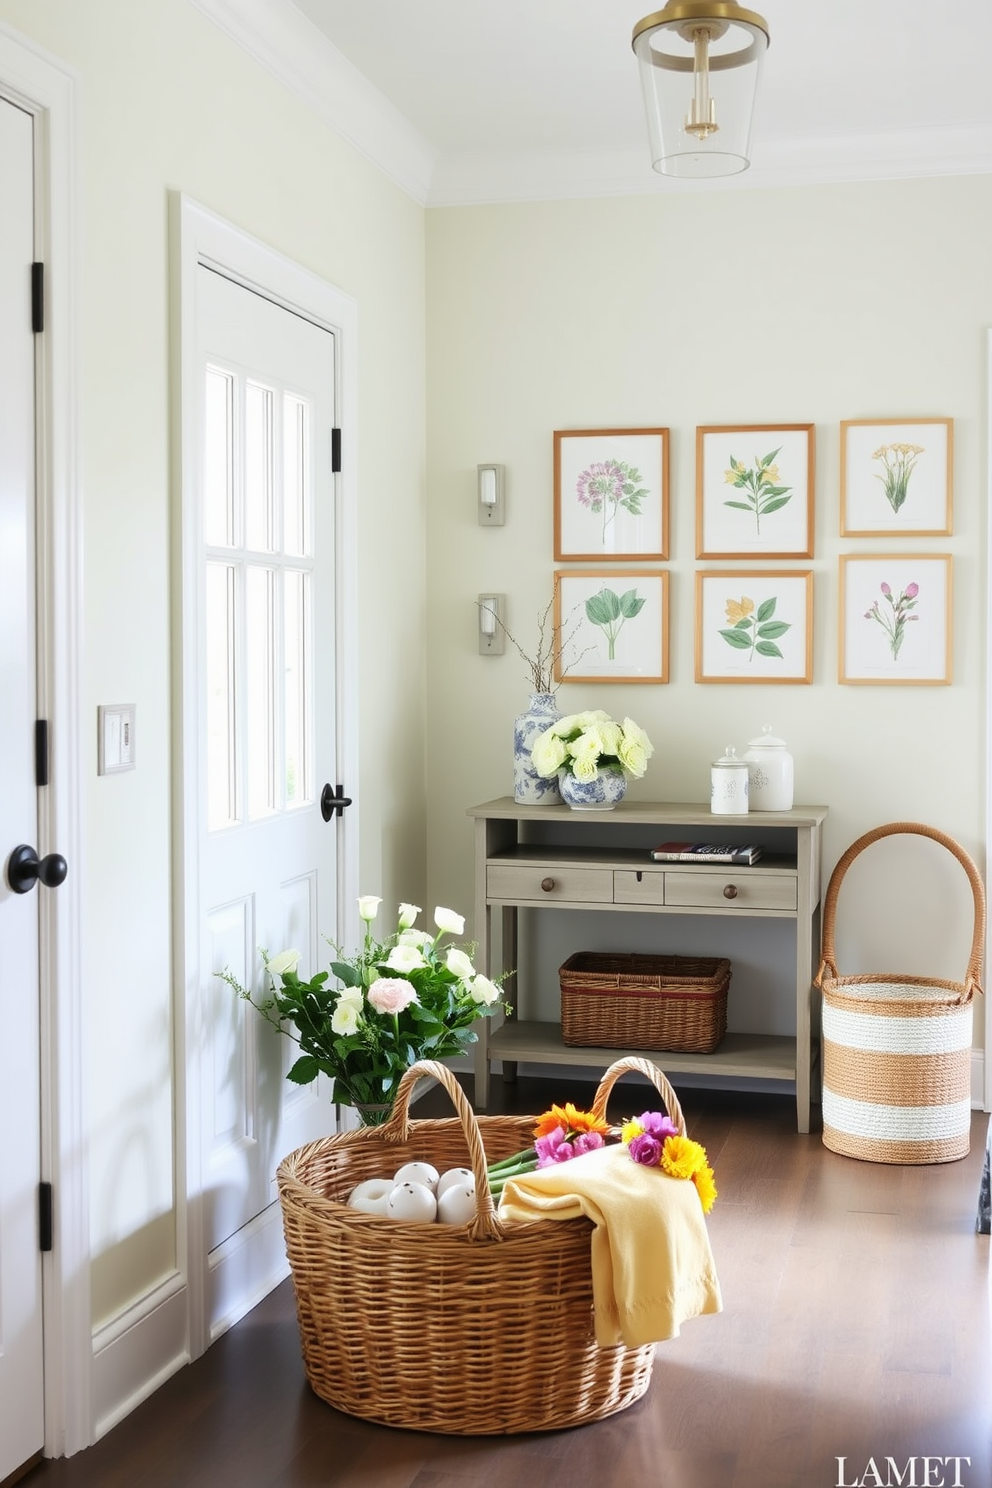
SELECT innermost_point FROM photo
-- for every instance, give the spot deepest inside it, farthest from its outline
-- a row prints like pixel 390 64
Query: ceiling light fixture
pixel 699 63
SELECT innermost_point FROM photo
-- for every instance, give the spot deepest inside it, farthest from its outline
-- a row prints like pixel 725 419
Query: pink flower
pixel 555 1148
pixel 912 590
pixel 646 1150
pixel 547 1146
pixel 391 995
pixel 885 589
pixel 657 1125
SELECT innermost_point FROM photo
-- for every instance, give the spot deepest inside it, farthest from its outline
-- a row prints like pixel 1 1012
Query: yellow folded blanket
pixel 652 1267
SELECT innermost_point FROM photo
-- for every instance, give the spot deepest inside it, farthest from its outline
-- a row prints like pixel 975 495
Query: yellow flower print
pixel 739 609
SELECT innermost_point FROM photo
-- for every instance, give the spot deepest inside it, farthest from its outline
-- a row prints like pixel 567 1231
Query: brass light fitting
pixel 699 63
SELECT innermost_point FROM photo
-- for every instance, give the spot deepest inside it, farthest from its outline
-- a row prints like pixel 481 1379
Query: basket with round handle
pixel 896 1047
pixel 481 1328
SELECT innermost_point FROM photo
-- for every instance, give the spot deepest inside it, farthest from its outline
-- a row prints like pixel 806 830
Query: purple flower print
pixel 895 614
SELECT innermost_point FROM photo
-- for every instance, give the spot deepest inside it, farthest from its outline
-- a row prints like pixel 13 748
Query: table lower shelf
pixel 750 1055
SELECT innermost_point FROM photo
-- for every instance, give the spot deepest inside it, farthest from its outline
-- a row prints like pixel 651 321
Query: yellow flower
pixel 681 1157
pixel 630 1130
pixel 739 609
pixel 705 1187
pixel 771 474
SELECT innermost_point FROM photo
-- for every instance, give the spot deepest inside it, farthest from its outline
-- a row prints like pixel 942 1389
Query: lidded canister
pixel 729 785
pixel 771 773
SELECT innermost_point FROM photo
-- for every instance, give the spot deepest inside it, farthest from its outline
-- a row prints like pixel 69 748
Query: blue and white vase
pixel 600 794
pixel 529 788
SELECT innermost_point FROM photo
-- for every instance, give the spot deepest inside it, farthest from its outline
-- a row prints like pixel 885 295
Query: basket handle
pixel 486 1225
pixel 651 1072
pixel 828 962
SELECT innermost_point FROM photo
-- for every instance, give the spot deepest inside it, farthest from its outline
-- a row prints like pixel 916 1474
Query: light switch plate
pixel 115 738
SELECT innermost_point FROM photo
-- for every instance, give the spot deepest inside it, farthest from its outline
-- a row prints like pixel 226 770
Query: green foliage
pixel 350 1032
pixel 760 483
pixel 755 632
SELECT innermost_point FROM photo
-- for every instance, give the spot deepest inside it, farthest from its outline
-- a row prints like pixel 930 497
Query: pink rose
pixel 391 995
pixel 646 1150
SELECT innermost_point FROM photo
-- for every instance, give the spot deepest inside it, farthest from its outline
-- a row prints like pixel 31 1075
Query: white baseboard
pixel 137 1352
pixel 245 1269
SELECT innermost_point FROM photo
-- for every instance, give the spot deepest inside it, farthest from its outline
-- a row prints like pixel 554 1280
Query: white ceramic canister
pixel 729 785
pixel 771 773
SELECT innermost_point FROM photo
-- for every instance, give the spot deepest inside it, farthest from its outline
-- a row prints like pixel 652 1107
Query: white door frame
pixel 40 84
pixel 200 237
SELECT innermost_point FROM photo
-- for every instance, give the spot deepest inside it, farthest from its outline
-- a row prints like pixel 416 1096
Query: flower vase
pixel 602 793
pixel 530 788
pixel 369 1115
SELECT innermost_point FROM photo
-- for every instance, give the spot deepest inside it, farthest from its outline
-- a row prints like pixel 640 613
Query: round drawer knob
pixel 730 892
pixel 547 884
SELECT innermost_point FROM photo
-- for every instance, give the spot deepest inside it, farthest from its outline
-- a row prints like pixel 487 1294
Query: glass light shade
pixel 699 63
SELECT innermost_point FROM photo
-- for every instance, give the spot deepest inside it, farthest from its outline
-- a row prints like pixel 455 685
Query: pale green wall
pixel 794 306
pixel 168 102
pixel 800 305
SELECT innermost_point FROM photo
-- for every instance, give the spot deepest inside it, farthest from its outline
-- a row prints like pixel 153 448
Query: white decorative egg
pixel 456 1206
pixel 454 1175
pixel 413 1202
pixel 417 1172
pixel 371 1196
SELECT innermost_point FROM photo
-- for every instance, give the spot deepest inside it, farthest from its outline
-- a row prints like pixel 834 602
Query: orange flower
pixel 570 1120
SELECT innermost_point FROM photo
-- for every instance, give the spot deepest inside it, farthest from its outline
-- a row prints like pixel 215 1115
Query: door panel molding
pixel 47 90
pixel 201 239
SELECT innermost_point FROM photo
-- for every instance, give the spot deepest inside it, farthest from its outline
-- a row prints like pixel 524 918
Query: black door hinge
pixel 335 451
pixel 41 752
pixel 46 1217
pixel 37 297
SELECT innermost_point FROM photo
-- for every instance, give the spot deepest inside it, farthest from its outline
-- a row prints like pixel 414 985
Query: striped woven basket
pixel 897 1049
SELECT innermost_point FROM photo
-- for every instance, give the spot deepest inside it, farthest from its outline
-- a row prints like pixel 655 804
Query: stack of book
pixel 707 852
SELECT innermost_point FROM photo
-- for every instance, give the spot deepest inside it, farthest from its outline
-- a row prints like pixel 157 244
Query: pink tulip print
pixel 893 615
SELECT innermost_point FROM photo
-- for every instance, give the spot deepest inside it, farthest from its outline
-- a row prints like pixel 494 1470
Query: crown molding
pixel 475 180
pixel 283 41
pixel 292 49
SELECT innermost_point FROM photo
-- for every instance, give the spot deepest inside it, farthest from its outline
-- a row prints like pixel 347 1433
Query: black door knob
pixel 24 867
pixel 333 802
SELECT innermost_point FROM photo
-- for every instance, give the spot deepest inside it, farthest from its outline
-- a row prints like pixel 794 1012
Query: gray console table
pixel 539 857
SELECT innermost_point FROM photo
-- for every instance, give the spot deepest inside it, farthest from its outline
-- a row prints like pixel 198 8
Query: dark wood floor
pixel 856 1324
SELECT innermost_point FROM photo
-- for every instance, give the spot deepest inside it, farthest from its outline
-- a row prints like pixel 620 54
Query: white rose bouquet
pixel 583 743
pixel 406 998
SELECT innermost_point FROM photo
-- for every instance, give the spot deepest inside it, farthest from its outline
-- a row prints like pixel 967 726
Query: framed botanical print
pixel 611 494
pixel 895 477
pixel 754 626
pixel 754 491
pixel 611 626
pixel 895 619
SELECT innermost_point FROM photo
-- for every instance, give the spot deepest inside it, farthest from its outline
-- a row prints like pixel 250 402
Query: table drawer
pixel 641 886
pixel 750 890
pixel 523 881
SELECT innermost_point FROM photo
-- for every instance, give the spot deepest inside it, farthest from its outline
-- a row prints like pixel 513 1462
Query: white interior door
pixel 267 709
pixel 21 1380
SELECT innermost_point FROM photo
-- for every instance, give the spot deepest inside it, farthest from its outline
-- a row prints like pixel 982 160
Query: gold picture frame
pixel 611 495
pixel 754 626
pixel 611 625
pixel 750 473
pixel 896 477
pixel 895 619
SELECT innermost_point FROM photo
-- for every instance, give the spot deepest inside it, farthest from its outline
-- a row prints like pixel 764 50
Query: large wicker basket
pixel 897 1048
pixel 628 1001
pixel 476 1329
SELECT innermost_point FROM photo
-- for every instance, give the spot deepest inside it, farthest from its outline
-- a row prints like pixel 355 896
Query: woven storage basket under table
pixel 678 1003
pixel 482 1328
pixel 897 1049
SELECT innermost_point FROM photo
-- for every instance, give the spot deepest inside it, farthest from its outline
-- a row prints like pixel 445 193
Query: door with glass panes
pixel 267 699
